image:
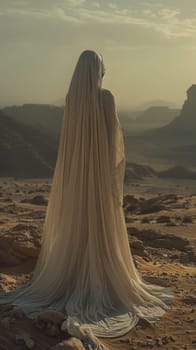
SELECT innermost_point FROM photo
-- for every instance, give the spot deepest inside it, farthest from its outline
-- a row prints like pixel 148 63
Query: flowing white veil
pixel 85 267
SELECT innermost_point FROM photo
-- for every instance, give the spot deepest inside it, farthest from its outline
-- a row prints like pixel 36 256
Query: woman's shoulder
pixel 107 94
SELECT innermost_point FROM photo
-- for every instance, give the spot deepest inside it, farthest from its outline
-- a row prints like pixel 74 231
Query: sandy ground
pixel 172 266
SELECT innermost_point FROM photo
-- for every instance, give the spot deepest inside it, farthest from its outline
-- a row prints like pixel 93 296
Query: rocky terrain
pixel 161 226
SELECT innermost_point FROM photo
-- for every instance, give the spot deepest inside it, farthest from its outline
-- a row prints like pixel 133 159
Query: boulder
pixel 19 243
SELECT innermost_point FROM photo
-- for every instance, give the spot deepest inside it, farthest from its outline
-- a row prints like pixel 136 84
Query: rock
pixel 167 339
pixel 11 209
pixel 34 214
pixel 162 219
pixel 187 219
pixel 147 208
pixel 51 321
pixel 188 257
pixel 26 339
pixel 145 220
pixel 37 200
pixel 159 240
pixel 137 247
pixel 165 281
pixel 189 299
pixel 19 243
pixel 129 219
pixel 137 244
pixel 130 202
pixel 51 316
pixel 190 320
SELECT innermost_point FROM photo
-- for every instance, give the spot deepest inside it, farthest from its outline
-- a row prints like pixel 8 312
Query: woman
pixel 85 267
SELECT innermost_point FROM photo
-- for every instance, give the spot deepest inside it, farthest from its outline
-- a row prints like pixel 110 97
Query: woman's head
pixel 92 62
pixel 88 74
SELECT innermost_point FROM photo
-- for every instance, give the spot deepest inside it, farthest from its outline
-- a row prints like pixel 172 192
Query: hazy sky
pixel 149 48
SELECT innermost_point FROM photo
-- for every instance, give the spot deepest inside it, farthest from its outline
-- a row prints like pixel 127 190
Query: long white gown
pixel 85 267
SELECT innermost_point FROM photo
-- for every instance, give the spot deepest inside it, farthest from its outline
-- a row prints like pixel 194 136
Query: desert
pixel 161 224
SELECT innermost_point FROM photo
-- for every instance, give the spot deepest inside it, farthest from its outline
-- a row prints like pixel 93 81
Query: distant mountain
pixel 175 141
pixel 42 117
pixel 157 115
pixel 178 172
pixel 48 118
pixel 133 122
pixel 135 171
pixel 60 102
pixel 25 152
pixel 155 103
pixel 29 153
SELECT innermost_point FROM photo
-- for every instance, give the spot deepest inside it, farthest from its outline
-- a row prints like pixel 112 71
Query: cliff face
pixel 187 118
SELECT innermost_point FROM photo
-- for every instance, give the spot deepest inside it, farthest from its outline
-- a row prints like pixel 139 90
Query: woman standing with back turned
pixel 85 267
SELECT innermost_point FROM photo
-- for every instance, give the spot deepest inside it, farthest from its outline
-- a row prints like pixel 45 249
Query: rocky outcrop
pixel 156 239
pixel 187 118
pixel 19 243
pixel 175 141
pixel 151 205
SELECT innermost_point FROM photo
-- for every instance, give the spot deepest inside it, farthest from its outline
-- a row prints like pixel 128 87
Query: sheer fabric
pixel 85 267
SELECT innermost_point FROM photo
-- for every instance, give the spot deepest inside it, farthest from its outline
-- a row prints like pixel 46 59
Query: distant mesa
pixel 157 115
